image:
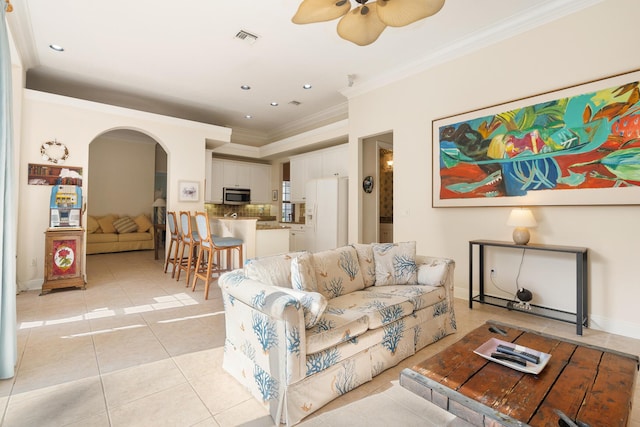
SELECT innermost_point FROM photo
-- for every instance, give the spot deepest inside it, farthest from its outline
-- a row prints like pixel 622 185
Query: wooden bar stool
pixel 189 240
pixel 210 249
pixel 174 236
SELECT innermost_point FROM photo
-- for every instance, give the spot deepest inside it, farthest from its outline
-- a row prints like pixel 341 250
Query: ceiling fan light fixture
pixel 398 13
pixel 363 24
pixel 311 11
pixel 361 29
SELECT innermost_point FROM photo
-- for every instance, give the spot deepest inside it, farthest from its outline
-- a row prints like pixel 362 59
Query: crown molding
pixel 537 15
pixel 327 116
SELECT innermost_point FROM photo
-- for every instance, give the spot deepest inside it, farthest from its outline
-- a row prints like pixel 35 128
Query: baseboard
pixel 599 323
pixel 31 285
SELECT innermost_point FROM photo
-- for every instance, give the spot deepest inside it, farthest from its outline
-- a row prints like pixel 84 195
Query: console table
pixel 580 317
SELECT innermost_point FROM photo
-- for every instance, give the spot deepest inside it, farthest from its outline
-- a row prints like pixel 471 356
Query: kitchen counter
pixel 271 227
pixel 242 228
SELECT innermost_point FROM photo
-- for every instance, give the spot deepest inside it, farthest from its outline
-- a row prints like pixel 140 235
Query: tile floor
pixel 137 348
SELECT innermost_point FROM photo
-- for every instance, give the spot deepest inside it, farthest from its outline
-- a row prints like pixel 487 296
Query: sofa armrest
pixel 252 308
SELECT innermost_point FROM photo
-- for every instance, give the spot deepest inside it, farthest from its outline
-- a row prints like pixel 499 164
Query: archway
pixel 127 172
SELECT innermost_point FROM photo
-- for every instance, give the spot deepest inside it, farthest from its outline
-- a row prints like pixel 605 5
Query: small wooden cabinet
pixel 64 252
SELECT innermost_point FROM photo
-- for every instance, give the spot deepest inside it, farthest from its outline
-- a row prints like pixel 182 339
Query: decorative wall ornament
pixel 54 152
pixel 579 145
pixel 367 184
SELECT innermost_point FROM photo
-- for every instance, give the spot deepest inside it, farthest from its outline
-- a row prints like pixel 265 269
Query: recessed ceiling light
pixel 56 47
pixel 248 116
pixel 245 87
pixel 307 86
pixel 274 104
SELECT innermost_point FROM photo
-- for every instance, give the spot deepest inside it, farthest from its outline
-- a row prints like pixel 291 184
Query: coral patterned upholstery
pixel 321 324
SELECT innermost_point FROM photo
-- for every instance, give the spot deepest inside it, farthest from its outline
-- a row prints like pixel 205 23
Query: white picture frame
pixel 188 191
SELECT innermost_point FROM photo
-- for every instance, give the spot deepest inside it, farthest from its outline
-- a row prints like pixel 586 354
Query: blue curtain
pixel 8 227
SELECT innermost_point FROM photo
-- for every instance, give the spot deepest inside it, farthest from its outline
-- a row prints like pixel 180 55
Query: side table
pixel 580 317
pixel 158 233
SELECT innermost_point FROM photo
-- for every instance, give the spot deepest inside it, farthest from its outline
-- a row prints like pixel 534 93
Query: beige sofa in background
pixel 116 233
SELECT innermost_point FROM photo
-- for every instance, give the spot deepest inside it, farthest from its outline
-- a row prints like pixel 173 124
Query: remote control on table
pixel 512 351
pixel 509 357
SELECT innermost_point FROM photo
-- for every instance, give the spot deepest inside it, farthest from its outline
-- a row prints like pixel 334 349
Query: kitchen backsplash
pixel 241 210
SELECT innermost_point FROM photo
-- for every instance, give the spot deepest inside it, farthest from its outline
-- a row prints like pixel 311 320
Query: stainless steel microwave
pixel 236 196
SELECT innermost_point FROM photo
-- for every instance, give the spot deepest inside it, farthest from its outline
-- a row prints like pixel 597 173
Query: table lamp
pixel 158 210
pixel 522 220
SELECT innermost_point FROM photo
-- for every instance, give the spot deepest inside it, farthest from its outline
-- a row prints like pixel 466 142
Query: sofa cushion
pixel 272 270
pixel 134 237
pixel 420 296
pixel 380 308
pixel 125 225
pixel 367 263
pixel 143 222
pixel 92 224
pixel 102 238
pixel 335 326
pixel 106 223
pixel 337 272
pixel 395 263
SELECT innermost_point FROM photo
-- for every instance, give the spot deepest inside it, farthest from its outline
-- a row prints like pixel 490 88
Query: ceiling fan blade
pixel 311 11
pixel 398 13
pixel 361 29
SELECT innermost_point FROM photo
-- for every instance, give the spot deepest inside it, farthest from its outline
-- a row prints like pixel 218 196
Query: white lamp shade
pixel 521 218
pixel 159 203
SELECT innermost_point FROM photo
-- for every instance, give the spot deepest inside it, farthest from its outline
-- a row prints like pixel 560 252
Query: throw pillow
pixel 125 225
pixel 313 305
pixel 106 223
pixel 92 224
pixel 434 274
pixel 395 263
pixel 143 222
pixel 367 264
pixel 337 272
pixel 272 270
pixel 303 276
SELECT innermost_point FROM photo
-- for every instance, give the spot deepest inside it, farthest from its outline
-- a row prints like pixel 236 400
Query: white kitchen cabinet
pixel 214 189
pixel 326 163
pixel 303 168
pixel 297 238
pixel 236 174
pixel 208 173
pixel 223 173
pixel 335 161
pixel 260 184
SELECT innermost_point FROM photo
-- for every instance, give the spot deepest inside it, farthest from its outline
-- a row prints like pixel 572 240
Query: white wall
pixel 589 45
pixel 122 177
pixel 76 123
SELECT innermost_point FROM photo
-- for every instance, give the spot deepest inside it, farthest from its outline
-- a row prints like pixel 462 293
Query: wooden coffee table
pixel 589 384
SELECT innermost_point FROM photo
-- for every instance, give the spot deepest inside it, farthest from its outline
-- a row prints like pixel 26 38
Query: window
pixel 287 206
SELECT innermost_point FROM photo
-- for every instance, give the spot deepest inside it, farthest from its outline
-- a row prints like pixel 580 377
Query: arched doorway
pixel 127 173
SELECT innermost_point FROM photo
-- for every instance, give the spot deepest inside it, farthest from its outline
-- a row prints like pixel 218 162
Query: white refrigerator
pixel 326 213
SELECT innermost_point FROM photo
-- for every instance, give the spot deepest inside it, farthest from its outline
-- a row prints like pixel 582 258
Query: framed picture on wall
pixel 188 191
pixel 574 146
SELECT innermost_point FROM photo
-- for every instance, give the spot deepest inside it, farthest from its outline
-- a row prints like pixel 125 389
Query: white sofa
pixel 303 329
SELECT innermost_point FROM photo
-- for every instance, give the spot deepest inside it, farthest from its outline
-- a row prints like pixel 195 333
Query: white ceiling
pixel 182 58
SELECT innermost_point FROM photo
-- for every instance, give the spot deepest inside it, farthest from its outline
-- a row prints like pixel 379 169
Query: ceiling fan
pixel 364 23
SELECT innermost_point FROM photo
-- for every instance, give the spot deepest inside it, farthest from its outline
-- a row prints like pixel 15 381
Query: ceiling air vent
pixel 246 37
pixel 295 103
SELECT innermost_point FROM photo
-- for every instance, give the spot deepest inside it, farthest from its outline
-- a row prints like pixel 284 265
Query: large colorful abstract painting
pixel 575 146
